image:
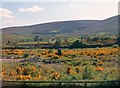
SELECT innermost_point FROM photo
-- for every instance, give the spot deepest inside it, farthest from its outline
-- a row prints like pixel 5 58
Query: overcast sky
pixel 29 13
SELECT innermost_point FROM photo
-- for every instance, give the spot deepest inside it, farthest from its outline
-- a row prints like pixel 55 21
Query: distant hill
pixel 109 25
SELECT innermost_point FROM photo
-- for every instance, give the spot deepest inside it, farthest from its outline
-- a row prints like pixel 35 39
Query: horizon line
pixel 26 25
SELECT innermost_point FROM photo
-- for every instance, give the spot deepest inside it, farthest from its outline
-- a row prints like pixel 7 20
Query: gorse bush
pixel 25 55
pixel 86 73
pixel 72 64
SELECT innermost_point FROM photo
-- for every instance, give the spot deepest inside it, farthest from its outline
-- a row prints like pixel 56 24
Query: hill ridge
pixel 69 26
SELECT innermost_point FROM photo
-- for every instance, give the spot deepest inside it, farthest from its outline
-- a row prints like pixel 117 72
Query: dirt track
pixel 10 60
